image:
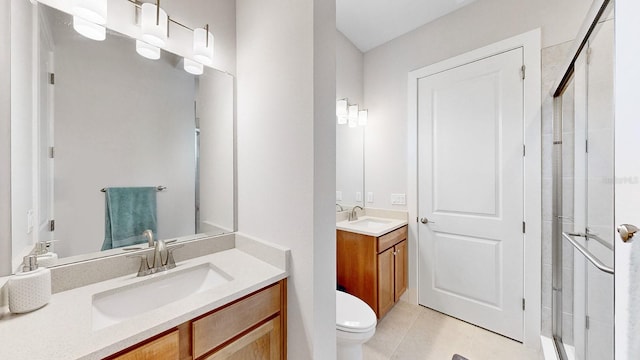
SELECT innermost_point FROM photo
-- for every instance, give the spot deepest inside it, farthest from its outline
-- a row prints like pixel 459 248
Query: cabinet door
pixel 385 282
pixel 401 269
pixel 163 348
pixel 263 343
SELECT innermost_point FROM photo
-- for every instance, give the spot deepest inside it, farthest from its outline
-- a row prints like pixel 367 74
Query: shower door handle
pixel 627 231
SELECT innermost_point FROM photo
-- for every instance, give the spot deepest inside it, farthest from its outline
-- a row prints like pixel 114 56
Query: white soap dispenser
pixel 29 289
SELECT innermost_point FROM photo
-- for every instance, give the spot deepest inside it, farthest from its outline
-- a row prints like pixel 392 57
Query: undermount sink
pixel 120 304
pixel 371 223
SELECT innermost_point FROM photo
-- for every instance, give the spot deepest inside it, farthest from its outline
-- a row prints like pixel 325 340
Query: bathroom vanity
pixel 254 325
pixel 372 261
pixel 225 298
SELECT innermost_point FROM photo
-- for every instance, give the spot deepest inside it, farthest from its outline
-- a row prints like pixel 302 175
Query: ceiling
pixel 369 23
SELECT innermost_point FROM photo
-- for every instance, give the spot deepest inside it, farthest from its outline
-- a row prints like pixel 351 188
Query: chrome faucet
pixel 148 234
pixel 162 256
pixel 353 215
pixel 339 207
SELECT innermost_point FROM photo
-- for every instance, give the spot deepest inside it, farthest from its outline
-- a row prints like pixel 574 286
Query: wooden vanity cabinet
pixel 253 327
pixel 373 268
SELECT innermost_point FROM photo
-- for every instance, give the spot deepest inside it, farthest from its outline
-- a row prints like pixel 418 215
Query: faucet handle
pixel 171 262
pixel 144 264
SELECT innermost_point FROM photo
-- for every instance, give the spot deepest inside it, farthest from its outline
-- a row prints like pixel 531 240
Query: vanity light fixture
pixel 363 116
pixel 147 50
pixel 193 67
pixel 203 45
pixel 342 111
pixel 89 18
pixel 155 24
pixel 88 29
pixel 90 10
pixel 353 115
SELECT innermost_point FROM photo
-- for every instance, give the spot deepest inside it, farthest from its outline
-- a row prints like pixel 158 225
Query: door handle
pixel 424 220
pixel 627 231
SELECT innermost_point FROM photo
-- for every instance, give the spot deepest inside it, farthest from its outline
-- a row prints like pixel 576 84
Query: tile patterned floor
pixel 414 332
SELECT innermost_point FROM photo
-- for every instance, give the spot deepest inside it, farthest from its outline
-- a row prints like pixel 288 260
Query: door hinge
pixel 51 152
pixel 523 304
pixel 588 55
pixel 52 78
pixel 586 146
pixel 524 227
pixel 523 71
pixel 587 321
pixel 524 150
pixel 52 225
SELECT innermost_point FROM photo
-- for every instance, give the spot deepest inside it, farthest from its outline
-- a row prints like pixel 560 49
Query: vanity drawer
pixel 163 348
pixel 388 240
pixel 217 328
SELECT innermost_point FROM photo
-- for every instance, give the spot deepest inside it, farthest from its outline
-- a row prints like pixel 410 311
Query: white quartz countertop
pixel 63 328
pixel 372 226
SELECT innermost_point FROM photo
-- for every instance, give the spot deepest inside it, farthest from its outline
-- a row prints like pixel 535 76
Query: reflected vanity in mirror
pixel 106 117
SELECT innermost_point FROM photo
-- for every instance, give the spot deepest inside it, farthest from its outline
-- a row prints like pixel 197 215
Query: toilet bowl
pixel 355 325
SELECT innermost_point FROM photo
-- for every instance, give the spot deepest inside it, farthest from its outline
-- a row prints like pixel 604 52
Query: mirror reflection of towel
pixel 129 211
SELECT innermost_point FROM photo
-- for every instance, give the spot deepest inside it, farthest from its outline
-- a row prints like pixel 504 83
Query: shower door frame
pixel 593 17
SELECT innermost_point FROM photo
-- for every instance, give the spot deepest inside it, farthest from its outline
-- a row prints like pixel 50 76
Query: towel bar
pixel 158 188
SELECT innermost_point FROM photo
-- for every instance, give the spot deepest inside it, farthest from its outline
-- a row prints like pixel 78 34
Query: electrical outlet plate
pixel 358 196
pixel 370 197
pixel 398 199
pixel 338 195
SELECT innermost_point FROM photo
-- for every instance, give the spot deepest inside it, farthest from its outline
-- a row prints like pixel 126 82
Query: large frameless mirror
pixel 104 117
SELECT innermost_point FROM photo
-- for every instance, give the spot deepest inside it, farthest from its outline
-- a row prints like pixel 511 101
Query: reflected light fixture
pixel 147 50
pixel 94 11
pixel 89 18
pixel 193 67
pixel 341 111
pixel 154 24
pixel 353 115
pixel 203 45
pixel 88 29
pixel 363 116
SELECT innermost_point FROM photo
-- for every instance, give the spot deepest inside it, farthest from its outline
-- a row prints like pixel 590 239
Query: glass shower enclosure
pixel 583 199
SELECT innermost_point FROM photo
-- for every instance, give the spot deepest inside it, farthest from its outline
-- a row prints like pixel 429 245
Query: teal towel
pixel 129 211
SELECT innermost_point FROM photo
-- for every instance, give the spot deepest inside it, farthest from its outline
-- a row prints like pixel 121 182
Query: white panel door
pixel 470 185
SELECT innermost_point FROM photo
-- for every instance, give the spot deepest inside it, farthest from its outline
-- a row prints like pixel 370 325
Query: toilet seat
pixel 353 315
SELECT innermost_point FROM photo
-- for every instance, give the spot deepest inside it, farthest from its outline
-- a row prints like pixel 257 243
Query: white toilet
pixel 355 325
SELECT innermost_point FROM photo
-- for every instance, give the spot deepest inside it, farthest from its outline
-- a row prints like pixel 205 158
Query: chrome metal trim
pixel 587 254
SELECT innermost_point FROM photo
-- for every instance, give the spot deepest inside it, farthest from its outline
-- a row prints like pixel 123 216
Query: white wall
pixel 386 67
pixel 22 126
pixel 215 112
pixel 349 141
pixel 120 120
pixel 286 154
pixel 5 137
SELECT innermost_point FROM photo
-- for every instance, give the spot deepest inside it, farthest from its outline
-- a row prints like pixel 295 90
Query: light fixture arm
pixel 207 28
pixel 158 14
